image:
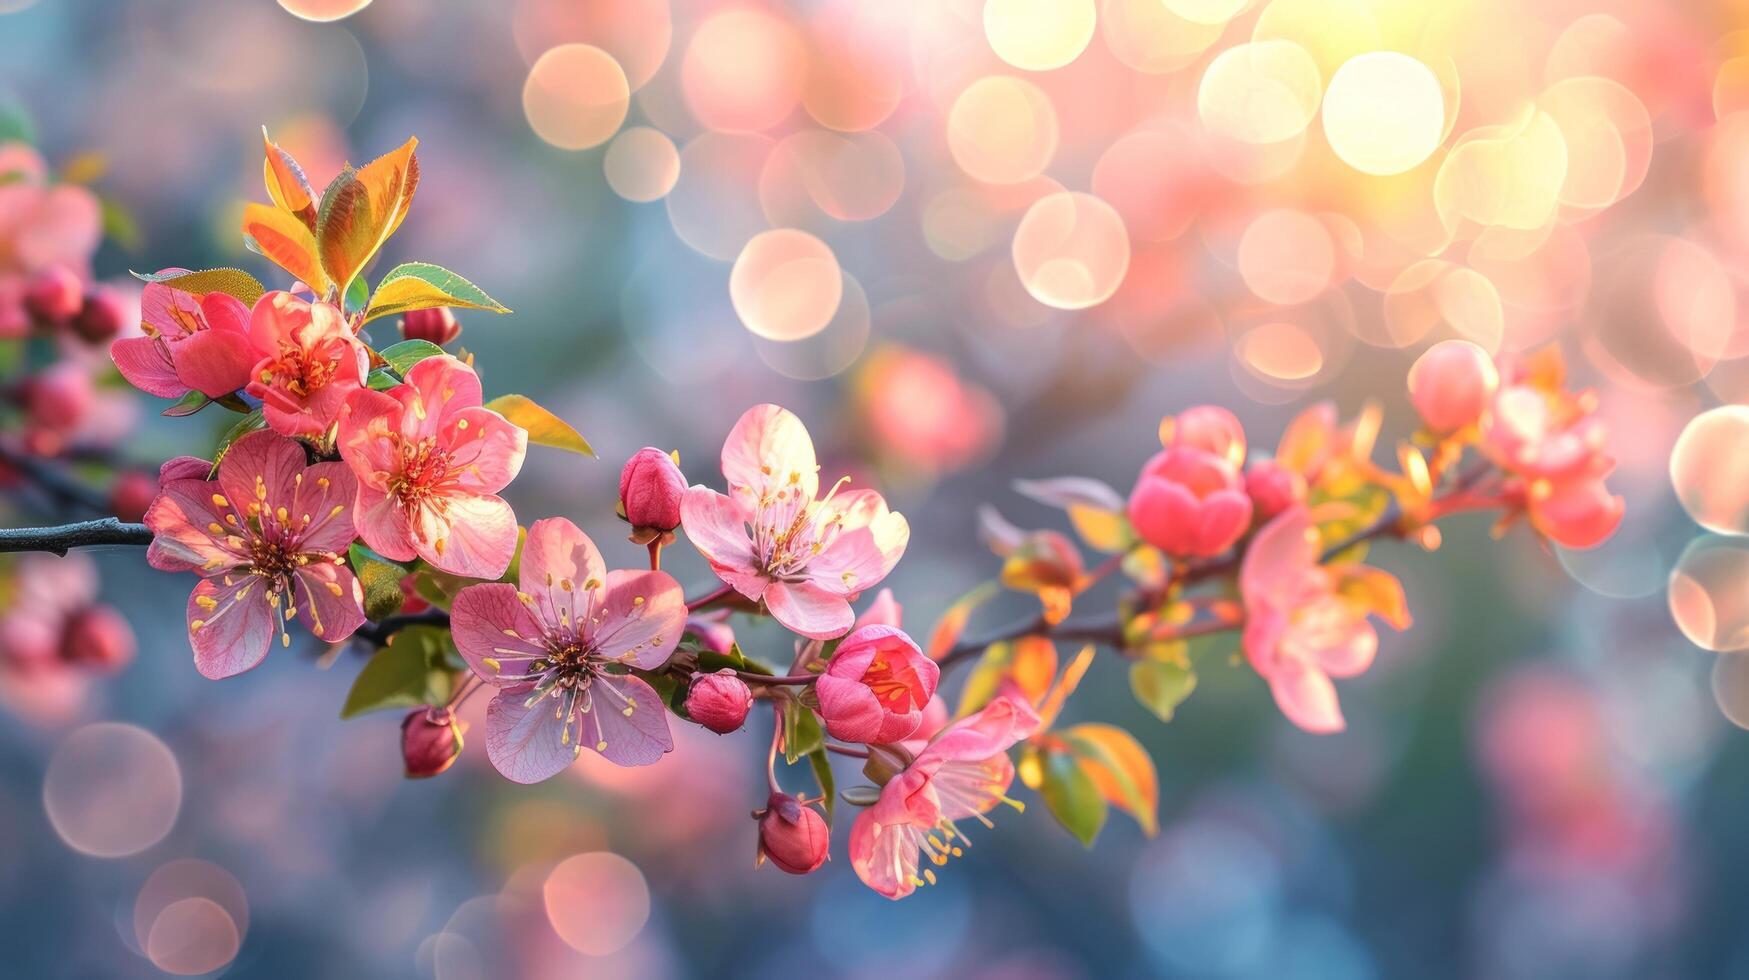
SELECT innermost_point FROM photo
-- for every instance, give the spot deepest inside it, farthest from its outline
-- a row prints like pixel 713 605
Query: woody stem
pixel 63 538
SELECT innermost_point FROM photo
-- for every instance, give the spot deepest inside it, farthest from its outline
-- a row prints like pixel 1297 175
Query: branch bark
pixel 84 534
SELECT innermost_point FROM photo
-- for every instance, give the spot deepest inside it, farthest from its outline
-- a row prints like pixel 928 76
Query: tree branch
pixel 84 534
pixel 61 487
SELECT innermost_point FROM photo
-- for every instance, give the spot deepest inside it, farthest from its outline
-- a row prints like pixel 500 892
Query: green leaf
pixel 245 425
pixel 801 730
pixel 381 580
pixel 232 282
pixel 544 428
pixel 861 795
pixel 822 766
pixel 413 669
pixel 357 294
pixel 1071 796
pixel 120 225
pixel 1120 769
pixel 423 286
pixel 190 403
pixel 1161 685
pixel 401 357
pixel 16 125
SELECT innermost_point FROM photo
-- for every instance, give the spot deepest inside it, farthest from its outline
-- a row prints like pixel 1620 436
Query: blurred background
pixel 968 242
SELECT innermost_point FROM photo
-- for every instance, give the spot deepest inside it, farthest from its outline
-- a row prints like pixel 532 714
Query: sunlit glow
pixel 641 164
pixel 1002 130
pixel 1384 113
pixel 786 285
pixel 1286 257
pixel 1038 35
pixel 1071 250
pixel 318 10
pixel 1280 351
pixel 636 32
pixel 1709 467
pixel 743 70
pixel 576 96
pixel 1261 92
pixel 1709 593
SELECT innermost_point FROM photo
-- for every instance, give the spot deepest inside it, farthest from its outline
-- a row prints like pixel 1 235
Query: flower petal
pixel 330 600
pixel 214 362
pixel 485 449
pixel 638 618
pixel 145 363
pixel 560 562
pixel 261 468
pixel 1306 696
pixel 322 507
pixel 496 632
pixel 717 526
pixel 182 520
pixel 369 423
pixel 473 536
pixel 526 743
pixel 231 627
pixel 769 450
pixel 446 386
pixel 627 722
pixel 807 609
pixel 383 524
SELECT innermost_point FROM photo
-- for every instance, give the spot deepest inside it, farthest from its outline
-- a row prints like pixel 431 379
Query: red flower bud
pixel 100 317
pixel 131 493
pixel 1273 488
pixel 431 739
pixel 57 399
pixel 1451 385
pixel 719 701
pixel 54 295
pixel 650 488
pixel 98 637
pixel 793 835
pixel 437 325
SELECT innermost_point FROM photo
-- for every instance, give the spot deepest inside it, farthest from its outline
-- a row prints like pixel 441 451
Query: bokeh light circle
pixel 597 902
pixel 1731 688
pixel 1206 11
pixel 714 205
pixel 1039 35
pixel 1286 257
pixel 191 937
pixel 1262 92
pixel 641 164
pixel 1384 113
pixel 576 96
pixel 112 790
pixel 187 878
pixel 828 352
pixel 786 284
pixel 1709 467
pixel 636 32
pixel 743 70
pixel 1071 250
pixel 1149 38
pixel 1709 593
pixel 1002 130
pixel 323 11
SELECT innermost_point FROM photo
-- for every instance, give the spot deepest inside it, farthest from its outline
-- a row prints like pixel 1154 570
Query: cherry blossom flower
pixel 309 363
pixel 1553 446
pixel 1209 428
pixel 771 540
pixel 963 773
pixel 269 540
pixel 1306 623
pixel 557 646
pixel 876 686
pixel 1189 503
pixel 430 461
pixel 198 343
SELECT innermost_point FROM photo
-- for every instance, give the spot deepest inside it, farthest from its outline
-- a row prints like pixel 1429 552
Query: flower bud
pixel 792 835
pixel 1209 428
pixel 1273 488
pixel 100 317
pixel 719 701
pixel 438 325
pixel 58 398
pixel 99 637
pixel 54 295
pixel 1189 503
pixel 431 739
pixel 650 488
pixel 130 495
pixel 1451 385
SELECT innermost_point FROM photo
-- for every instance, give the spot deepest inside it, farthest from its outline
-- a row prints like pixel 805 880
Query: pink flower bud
pixel 1578 513
pixel 1273 488
pixel 131 493
pixel 100 317
pixel 438 325
pixel 1189 503
pixel 54 295
pixel 1451 385
pixel 719 701
pixel 650 488
pixel 876 686
pixel 792 835
pixel 59 398
pixel 98 637
pixel 1209 428
pixel 431 740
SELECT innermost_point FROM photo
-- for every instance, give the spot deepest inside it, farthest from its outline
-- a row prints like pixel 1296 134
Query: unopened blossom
pixel 876 686
pixel 54 295
pixel 436 325
pixel 719 701
pixel 774 542
pixel 309 363
pixel 1302 626
pixel 963 773
pixel 792 835
pixel 1189 503
pixel 1210 428
pixel 269 540
pixel 1273 488
pixel 101 316
pixel 43 224
pixel 431 741
pixel 45 593
pixel 1451 383
pixel 198 343
pixel 558 646
pixel 430 460
pixel 131 493
pixel 712 630
pixel 650 488
pixel 97 636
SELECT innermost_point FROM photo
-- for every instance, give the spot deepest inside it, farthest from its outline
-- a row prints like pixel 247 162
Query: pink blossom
pixel 1273 488
pixel 46 593
pixel 310 362
pixel 1302 626
pixel 1451 383
pixel 268 538
pixel 775 543
pixel 557 645
pixel 1189 503
pixel 876 686
pixel 41 225
pixel 436 325
pixel 1209 428
pixel 198 343
pixel 430 462
pixel 963 772
pixel 1553 449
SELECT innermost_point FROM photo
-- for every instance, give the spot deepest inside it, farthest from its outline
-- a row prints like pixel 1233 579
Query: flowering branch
pixel 63 538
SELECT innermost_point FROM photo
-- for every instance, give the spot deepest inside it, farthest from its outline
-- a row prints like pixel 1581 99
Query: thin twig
pixel 65 537
pixel 61 487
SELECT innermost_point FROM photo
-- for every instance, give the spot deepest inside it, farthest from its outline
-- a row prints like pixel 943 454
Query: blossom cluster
pixel 358 495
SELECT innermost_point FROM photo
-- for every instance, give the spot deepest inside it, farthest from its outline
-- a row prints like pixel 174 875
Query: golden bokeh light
pixel 1509 176
pixel 596 902
pixel 786 285
pixel 856 71
pixel 576 96
pixel 1002 130
pixel 1709 593
pixel 1286 257
pixel 1149 38
pixel 1280 351
pixel 323 11
pixel 1709 467
pixel 816 176
pixel 1071 250
pixel 743 70
pixel 1039 35
pixel 1206 11
pixel 192 937
pixel 635 32
pixel 1262 92
pixel 641 164
pixel 1384 113
pixel 714 205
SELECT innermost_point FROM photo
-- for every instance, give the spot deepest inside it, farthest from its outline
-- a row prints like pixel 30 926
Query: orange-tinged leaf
pixel 543 427
pixel 281 237
pixel 1375 590
pixel 393 176
pixel 286 183
pixel 1071 679
pixel 953 622
pixel 1029 662
pixel 360 210
pixel 1120 768
pixel 1307 440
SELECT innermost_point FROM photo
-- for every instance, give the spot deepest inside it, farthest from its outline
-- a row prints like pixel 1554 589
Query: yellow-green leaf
pixel 544 428
pixel 421 285
pixel 413 669
pixel 1120 768
pixel 232 282
pixel 285 240
pixel 1070 794
pixel 1161 685
pixel 360 210
pixel 1030 662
